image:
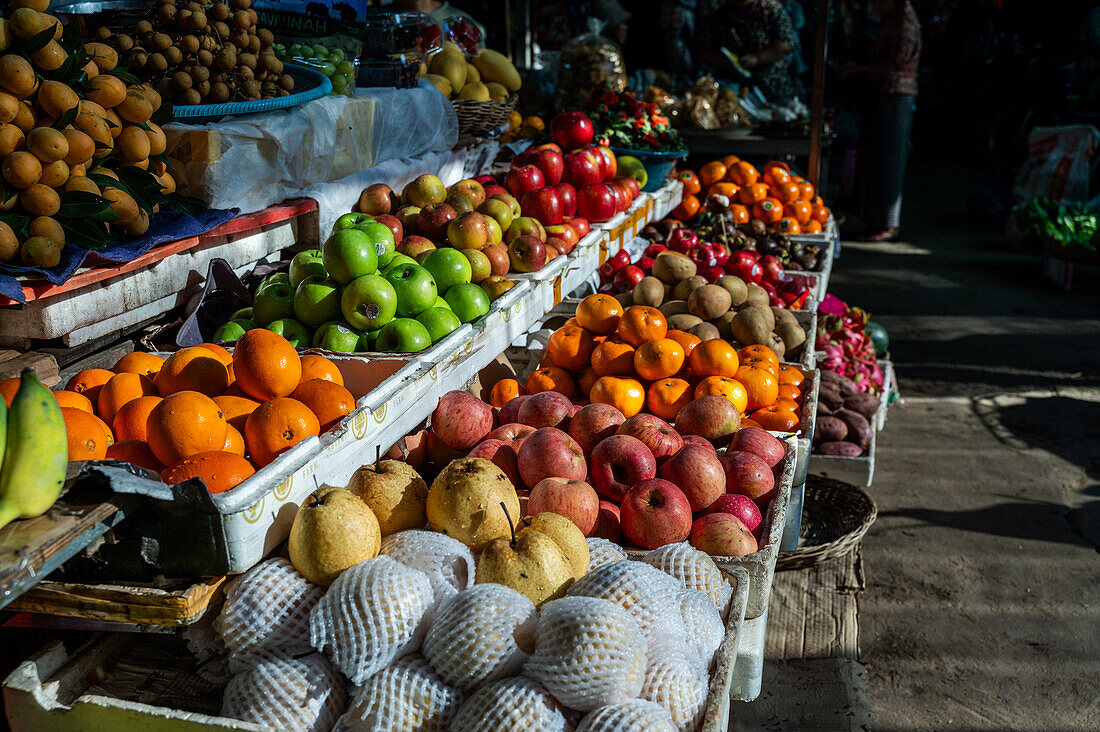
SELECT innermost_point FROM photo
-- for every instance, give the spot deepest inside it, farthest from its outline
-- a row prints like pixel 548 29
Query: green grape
pixel 337 55
pixel 320 51
pixel 340 82
pixel 299 51
pixel 328 69
pixel 346 67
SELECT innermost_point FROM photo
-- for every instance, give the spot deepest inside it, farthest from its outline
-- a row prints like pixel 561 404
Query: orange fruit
pixel 714 357
pixel 585 380
pixel 132 418
pixel 599 314
pixel 658 359
pixel 504 391
pixel 791 392
pixel 750 423
pixel 820 214
pixel 724 386
pixel 550 378
pixel 806 189
pixel 763 355
pixel 612 358
pixel 626 395
pixel 666 397
pixel 786 402
pixel 266 365
pixel 135 452
pixel 329 402
pixel 729 160
pixel 139 362
pixel 234 441
pixel 218 469
pixel 319 367
pixel 740 213
pixel 571 321
pixel 570 348
pixel 88 437
pixel 276 426
pixel 192 369
pixel 236 409
pixel 776 418
pixel 686 210
pixel 768 210
pixel 762 388
pixel 788 374
pixel 713 172
pixel 800 210
pixel 812 227
pixel 8 388
pixel 687 341
pixel 692 186
pixel 122 388
pixel 743 173
pixel 234 389
pixel 754 193
pixel 641 324
pixel 72 399
pixel 222 355
pixel 788 225
pixel 88 382
pixel 786 192
pixel 776 173
pixel 184 424
pixel 724 188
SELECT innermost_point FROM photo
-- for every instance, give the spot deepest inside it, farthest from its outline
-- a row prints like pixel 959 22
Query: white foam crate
pixel 818 280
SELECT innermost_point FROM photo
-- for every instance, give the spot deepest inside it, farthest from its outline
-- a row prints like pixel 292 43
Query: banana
pixel 36 453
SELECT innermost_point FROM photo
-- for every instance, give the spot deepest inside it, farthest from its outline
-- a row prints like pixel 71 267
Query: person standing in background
pixel 677 21
pixel 760 34
pixel 892 68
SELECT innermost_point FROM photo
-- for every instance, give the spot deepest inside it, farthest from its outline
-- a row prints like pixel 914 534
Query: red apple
pixel 711 273
pixel 682 240
pixel 499 261
pixel 461 420
pixel 574 499
pixel 698 472
pixel 619 462
pixel 581 225
pixel 721 254
pixel 594 423
pixel 712 417
pixel 608 525
pixel 610 162
pixel 523 179
pixel 697 440
pixel 551 163
pixel 415 244
pixel 394 225
pixel 543 204
pixel 626 278
pixel 748 475
pixel 654 513
pixel 432 220
pixel 485 179
pixel 550 453
pixel 761 443
pixel 632 186
pixel 509 413
pixel 653 250
pixel 596 203
pixel 657 434
pixel 565 232
pixel 722 535
pixel 571 130
pixel 622 203
pixel 438 451
pixel 743 508
pixel 772 267
pixel 546 409
pixel 494 189
pixel 646 263
pixel 511 433
pixel 500 454
pixel 582 169
pixel 525 226
pixel 378 198
pixel 527 254
pixel 619 259
pixel 568 198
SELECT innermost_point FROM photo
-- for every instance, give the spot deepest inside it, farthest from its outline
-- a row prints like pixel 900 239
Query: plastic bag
pixel 586 62
pixel 1057 166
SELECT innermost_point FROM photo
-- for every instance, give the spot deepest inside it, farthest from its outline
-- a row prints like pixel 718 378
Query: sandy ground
pixel 982 608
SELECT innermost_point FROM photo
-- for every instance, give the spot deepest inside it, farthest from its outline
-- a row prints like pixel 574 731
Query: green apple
pixel 336 336
pixel 415 287
pixel 273 302
pixel 449 267
pixel 480 267
pixel 398 258
pixel 498 211
pixel 441 303
pixel 382 236
pixel 368 302
pixel 243 314
pixel 279 278
pixel 350 221
pixel 294 331
pixel 631 167
pixel 366 341
pixel 440 322
pixel 316 300
pixel 349 254
pixel 469 302
pixel 496 234
pixel 305 264
pixel 234 329
pixel 402 335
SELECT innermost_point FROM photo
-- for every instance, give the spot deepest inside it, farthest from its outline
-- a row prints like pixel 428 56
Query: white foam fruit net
pixel 650 596
pixel 602 551
pixel 266 613
pixel 705 630
pixel 479 635
pixel 637 715
pixel 448 562
pixel 290 694
pixel 674 682
pixel 510 705
pixel 406 695
pixel 588 653
pixel 695 569
pixel 374 613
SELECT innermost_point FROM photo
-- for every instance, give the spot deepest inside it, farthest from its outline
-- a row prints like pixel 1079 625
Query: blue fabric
pixel 166 226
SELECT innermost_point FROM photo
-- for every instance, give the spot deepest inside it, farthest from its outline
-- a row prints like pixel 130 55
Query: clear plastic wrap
pixel 637 715
pixel 287 694
pixel 510 705
pixel 448 562
pixel 407 695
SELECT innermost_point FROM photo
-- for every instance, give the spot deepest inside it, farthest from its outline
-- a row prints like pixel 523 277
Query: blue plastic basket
pixel 316 85
pixel 658 165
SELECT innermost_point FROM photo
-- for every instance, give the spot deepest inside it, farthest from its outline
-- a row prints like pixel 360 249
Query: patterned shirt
pixel 750 29
pixel 898 48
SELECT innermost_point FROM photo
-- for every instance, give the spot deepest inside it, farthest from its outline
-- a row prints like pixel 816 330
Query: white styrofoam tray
pixel 819 279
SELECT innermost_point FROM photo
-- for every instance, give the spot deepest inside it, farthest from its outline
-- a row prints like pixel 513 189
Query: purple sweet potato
pixel 831 398
pixel 830 429
pixel 840 449
pixel 823 409
pixel 859 429
pixel 865 404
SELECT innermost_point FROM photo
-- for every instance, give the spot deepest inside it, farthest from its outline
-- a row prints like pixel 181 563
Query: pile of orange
pixel 627 357
pixel 202 412
pixel 782 200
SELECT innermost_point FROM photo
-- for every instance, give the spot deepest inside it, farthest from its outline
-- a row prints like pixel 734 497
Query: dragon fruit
pixel 844 346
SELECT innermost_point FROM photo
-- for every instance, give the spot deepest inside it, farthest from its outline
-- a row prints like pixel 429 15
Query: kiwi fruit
pixel 649 291
pixel 671 267
pixel 21 169
pixel 792 335
pixel 777 345
pixel 766 313
pixel 782 315
pixel 40 200
pixel 736 287
pixel 750 326
pixel 722 323
pixel 684 288
pixel 683 321
pixel 674 307
pixel 709 301
pixel 704 332
pixel 9 243
pixel 38 251
pixel 757 296
pixel 55 174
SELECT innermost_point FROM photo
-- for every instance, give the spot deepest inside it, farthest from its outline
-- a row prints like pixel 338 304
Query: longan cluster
pixel 42 158
pixel 203 54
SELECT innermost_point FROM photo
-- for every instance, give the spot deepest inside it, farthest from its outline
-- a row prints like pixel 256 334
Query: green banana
pixel 36 452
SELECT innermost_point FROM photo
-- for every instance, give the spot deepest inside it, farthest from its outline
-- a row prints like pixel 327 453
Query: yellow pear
pixel 332 531
pixel 394 492
pixel 465 500
pixel 451 66
pixel 440 83
pixel 475 90
pixel 566 535
pixel 532 565
pixel 497 92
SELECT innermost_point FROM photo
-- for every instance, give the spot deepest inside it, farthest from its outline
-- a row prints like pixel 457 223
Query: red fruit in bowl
pixel 582 169
pixel 568 199
pixel 622 203
pixel 721 254
pixel 527 254
pixel 773 268
pixel 618 463
pixel 571 130
pixel 607 274
pixel 550 453
pixel 653 250
pixel 511 433
pixel 509 413
pixel 722 535
pixel 698 472
pixel 546 409
pixel 627 277
pixel 523 179
pixel 750 272
pixel 610 162
pixel 593 423
pixel 494 189
pixel 655 433
pixel 581 225
pixel 701 255
pixel 632 185
pixel 485 180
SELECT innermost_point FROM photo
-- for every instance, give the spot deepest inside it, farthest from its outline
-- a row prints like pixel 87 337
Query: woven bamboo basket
pixel 477 118
pixel 835 516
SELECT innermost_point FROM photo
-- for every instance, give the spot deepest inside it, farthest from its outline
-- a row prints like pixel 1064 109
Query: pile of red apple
pixel 635 481
pixel 712 259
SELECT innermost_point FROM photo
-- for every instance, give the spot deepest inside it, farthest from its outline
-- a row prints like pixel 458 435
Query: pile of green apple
pixel 332 63
pixel 357 293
